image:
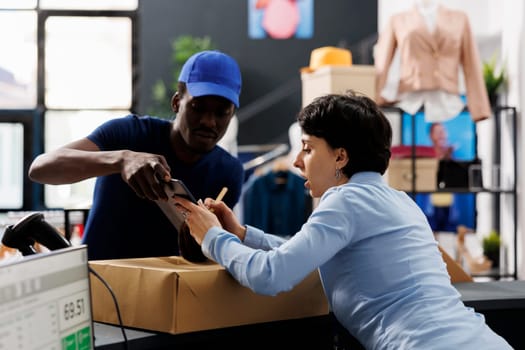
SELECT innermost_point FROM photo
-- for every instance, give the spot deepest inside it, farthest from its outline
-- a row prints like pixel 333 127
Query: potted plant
pixel 495 77
pixel 183 47
pixel 491 247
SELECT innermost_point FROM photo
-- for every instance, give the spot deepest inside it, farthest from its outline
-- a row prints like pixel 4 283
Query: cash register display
pixel 45 302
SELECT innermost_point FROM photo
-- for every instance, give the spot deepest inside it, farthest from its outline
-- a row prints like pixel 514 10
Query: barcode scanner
pixel 33 229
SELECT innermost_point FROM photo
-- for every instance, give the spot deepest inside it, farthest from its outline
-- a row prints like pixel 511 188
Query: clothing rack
pixel 277 151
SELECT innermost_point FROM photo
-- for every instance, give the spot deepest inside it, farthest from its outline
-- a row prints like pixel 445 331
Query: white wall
pixel 514 45
pixel 484 15
pixel 497 26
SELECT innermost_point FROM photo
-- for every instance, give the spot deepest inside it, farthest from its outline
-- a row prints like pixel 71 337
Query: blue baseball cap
pixel 212 73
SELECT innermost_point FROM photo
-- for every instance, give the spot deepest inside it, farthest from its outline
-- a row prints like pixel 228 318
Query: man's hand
pixel 146 174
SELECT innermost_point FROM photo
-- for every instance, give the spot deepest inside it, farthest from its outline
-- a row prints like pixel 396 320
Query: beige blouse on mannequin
pixel 433 43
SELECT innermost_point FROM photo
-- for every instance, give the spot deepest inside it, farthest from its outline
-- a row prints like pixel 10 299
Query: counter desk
pixel 501 302
pixel 307 333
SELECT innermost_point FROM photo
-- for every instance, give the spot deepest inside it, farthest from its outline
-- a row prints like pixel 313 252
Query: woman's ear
pixel 341 157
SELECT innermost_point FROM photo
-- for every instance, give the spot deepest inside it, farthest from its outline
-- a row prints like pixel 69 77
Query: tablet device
pixel 176 187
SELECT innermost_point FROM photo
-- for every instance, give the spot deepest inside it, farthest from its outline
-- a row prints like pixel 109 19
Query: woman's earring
pixel 337 174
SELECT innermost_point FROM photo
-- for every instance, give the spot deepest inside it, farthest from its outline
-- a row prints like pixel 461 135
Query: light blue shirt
pixel 379 263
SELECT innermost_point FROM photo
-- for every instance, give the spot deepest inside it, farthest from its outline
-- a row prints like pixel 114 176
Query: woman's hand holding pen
pixel 226 217
pixel 203 216
pixel 198 217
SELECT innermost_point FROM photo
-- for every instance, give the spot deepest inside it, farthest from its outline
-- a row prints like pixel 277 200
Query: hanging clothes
pixel 276 202
pixel 433 43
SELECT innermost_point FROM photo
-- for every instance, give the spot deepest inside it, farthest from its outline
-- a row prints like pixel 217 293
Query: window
pixel 18 61
pixel 11 156
pixel 62 127
pixel 88 62
pixel 69 67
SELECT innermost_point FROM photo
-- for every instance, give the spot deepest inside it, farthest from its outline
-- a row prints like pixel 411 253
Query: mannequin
pixel 294 137
pixel 428 9
pixel 433 43
pixel 229 140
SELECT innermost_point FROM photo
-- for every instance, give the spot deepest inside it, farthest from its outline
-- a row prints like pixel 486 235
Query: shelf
pixel 495 273
pixel 465 190
pixel 504 148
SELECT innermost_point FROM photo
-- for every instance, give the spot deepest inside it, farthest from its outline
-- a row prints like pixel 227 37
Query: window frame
pixel 26 117
pixel 33 120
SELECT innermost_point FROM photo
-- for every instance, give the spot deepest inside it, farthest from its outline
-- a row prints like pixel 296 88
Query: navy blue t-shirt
pixel 122 225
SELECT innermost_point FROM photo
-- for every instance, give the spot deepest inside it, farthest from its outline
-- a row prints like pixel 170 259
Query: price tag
pixel 73 310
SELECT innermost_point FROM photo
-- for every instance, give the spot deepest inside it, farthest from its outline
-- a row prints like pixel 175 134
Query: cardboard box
pixel 175 296
pixel 338 79
pixel 400 173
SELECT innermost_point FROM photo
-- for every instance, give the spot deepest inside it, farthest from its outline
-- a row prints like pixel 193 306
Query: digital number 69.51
pixel 74 309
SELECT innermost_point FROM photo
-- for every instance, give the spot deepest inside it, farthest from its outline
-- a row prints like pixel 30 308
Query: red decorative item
pixel 260 4
pixel 281 18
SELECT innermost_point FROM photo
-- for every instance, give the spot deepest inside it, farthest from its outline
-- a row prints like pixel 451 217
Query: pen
pixel 221 195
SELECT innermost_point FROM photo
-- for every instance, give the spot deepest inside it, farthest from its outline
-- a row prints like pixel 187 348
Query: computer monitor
pixel 45 301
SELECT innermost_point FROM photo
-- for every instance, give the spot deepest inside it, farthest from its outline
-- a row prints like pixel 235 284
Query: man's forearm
pixel 66 165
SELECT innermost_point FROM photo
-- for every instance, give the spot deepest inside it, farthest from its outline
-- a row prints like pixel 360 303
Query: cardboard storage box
pixel 400 173
pixel 337 79
pixel 175 296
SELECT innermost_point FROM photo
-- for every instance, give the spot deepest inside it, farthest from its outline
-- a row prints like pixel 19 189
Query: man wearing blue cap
pixel 133 156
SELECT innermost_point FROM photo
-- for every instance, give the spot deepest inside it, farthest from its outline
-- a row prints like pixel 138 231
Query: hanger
pixel 281 169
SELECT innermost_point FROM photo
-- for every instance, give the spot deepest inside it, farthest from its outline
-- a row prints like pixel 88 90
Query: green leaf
pixel 494 77
pixel 183 47
pixel 492 242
